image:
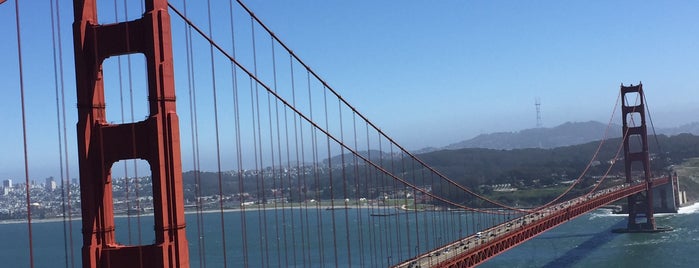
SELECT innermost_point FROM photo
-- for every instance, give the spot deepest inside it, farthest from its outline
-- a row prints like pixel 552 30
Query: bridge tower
pixel 155 139
pixel 636 151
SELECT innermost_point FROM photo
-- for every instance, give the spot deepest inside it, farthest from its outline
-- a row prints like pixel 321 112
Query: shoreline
pixel 688 209
pixel 207 211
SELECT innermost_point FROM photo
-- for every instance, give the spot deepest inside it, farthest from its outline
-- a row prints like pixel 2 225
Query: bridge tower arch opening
pixel 155 139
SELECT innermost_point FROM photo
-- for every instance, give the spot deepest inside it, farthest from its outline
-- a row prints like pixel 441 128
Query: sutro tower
pixel 537 103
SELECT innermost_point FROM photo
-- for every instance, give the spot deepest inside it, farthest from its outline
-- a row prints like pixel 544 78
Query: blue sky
pixel 454 69
pixel 429 73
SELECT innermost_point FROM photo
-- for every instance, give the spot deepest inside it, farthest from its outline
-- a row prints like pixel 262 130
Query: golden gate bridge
pixel 313 181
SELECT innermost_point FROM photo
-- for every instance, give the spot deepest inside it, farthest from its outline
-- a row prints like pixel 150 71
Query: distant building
pixel 50 184
pixel 7 184
pixel 5 191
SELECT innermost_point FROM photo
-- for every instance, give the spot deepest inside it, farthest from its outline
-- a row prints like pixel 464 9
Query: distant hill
pixel 692 128
pixel 472 167
pixel 567 134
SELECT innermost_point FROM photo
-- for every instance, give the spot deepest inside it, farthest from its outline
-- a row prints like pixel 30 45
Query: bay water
pixel 305 239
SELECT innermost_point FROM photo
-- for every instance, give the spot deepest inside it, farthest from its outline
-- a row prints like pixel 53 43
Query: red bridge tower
pixel 636 151
pixel 101 144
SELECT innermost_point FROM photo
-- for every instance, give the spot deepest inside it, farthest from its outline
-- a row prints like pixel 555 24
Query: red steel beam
pixel 101 144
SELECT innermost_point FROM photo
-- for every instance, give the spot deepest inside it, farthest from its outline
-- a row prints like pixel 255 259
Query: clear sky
pixel 428 73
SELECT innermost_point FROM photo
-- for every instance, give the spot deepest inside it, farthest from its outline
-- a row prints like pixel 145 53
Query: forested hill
pixel 489 166
pixel 522 168
pixel 569 133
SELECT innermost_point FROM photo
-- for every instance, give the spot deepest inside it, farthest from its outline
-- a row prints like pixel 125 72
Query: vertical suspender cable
pixel 195 140
pixel 316 171
pixel 218 144
pixel 272 156
pixel 257 166
pixel 417 209
pixel 133 133
pixel 396 226
pixel 358 196
pixel 344 188
pixel 373 247
pixel 262 214
pixel 238 141
pixel 121 105
pixel 60 140
pixel 65 136
pixel 290 185
pixel 655 135
pixel 330 178
pixel 407 212
pixel 300 172
pixel 24 137
pixel 384 211
pixel 300 165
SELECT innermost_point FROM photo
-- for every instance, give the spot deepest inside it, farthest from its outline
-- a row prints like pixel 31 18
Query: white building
pixel 50 184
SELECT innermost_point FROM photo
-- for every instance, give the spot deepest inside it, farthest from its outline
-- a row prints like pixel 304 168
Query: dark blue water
pixel 588 242
pixel 583 242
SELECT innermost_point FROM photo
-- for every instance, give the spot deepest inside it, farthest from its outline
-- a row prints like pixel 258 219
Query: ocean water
pixel 586 241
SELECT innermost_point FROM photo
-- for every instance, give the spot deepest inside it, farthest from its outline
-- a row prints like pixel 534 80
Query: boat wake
pixel 605 213
pixel 691 209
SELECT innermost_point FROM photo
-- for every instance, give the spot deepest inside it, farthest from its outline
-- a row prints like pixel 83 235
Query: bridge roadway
pixel 477 248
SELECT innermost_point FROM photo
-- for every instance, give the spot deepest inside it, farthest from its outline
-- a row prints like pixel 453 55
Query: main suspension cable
pixel 650 118
pixel 592 159
pixel 337 95
pixel 257 81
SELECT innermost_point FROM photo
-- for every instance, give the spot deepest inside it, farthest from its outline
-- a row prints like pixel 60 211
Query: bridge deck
pixel 490 242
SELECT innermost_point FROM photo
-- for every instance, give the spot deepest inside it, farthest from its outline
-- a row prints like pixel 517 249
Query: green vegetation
pixel 539 175
pixel 527 198
pixel 688 176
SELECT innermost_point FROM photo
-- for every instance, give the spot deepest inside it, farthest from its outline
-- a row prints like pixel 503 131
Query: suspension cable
pixel 343 146
pixel 133 134
pixel 121 105
pixel 257 81
pixel 616 156
pixel 655 135
pixel 592 159
pixel 337 95
pixel 274 170
pixel 24 137
pixel 194 130
pixel 59 136
pixel 238 142
pixel 65 136
pixel 218 143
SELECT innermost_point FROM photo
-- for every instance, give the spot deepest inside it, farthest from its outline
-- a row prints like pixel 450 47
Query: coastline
pixel 689 209
pixel 208 211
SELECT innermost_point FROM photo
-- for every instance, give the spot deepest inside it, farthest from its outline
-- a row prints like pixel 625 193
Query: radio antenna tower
pixel 537 103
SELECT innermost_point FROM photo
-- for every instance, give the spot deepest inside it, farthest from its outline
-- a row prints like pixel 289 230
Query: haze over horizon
pixel 428 74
